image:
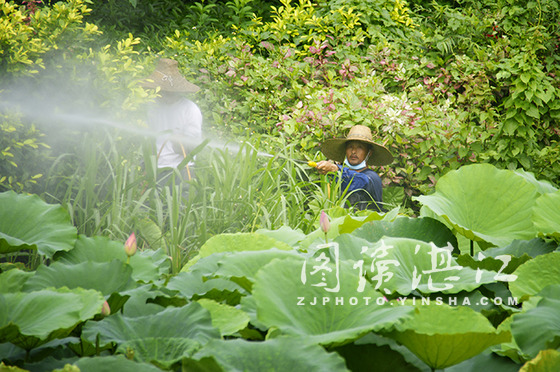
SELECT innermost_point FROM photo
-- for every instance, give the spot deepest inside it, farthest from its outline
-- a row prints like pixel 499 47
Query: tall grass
pixel 113 188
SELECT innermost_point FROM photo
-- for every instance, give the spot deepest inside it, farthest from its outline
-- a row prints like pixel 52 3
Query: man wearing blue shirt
pixel 355 153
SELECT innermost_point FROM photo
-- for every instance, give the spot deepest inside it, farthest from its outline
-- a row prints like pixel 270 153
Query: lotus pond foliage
pixel 403 289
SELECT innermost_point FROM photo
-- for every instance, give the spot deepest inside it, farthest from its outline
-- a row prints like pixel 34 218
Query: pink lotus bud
pixel 130 245
pixel 105 309
pixel 324 222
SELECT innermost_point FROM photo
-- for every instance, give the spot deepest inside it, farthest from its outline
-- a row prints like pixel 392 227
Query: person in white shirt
pixel 178 119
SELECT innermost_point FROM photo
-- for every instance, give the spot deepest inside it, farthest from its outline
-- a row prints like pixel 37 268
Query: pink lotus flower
pixel 105 309
pixel 130 245
pixel 324 222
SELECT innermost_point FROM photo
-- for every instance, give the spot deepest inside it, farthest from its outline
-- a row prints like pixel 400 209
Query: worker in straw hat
pixel 354 154
pixel 178 119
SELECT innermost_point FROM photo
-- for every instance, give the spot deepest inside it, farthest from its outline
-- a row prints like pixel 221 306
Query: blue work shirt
pixel 365 190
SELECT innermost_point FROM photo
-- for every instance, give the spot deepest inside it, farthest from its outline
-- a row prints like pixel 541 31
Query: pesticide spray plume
pixel 62 109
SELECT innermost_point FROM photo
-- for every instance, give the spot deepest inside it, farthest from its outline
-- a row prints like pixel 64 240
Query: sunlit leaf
pixel 227 319
pixel 237 243
pixel 485 203
pixel 536 274
pixel 545 361
pixel 547 214
pixel 442 336
pixel 27 222
pixel 30 319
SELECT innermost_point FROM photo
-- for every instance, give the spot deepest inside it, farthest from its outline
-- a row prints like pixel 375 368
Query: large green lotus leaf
pixel 27 222
pixel 507 259
pixel 546 214
pixel 442 335
pixel 519 248
pixel 539 328
pixel 238 242
pixel 30 319
pixel 13 280
pixel 148 265
pixel 351 223
pixel 536 274
pixel 284 234
pixel 163 352
pixel 545 361
pixel 339 316
pixel 485 203
pixel 242 267
pixel 107 278
pixel 190 321
pixel 113 363
pixel 227 319
pixel 380 354
pixel 401 265
pixel 193 285
pixel 279 354
pixel 425 229
pixel 143 300
pixel 543 186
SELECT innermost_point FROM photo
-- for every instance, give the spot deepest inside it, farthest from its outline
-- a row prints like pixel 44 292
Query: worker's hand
pixel 325 167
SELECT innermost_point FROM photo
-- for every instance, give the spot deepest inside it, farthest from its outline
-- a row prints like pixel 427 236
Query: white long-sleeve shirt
pixel 181 122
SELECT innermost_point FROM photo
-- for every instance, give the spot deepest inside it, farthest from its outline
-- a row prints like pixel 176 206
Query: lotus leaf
pixel 545 361
pixel 485 203
pixel 485 361
pixel 546 214
pixel 31 319
pixel 190 321
pixel 237 243
pixel 380 354
pixel 107 278
pixel 426 229
pixel 442 335
pixel 163 352
pixel 192 285
pixel 536 274
pixel 402 265
pixel 539 328
pixel 242 267
pixel 280 354
pixel 326 317
pixel 227 319
pixel 284 234
pixel 13 280
pixel 27 222
pixel 543 187
pixel 146 265
pixel 113 363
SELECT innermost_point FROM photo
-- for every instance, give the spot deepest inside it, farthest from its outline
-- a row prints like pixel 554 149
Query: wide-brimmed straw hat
pixel 335 149
pixel 168 78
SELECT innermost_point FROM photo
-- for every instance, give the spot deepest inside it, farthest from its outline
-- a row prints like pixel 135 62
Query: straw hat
pixel 168 78
pixel 335 148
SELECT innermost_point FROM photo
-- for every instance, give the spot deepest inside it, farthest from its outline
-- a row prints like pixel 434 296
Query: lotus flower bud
pixel 105 309
pixel 324 222
pixel 130 245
